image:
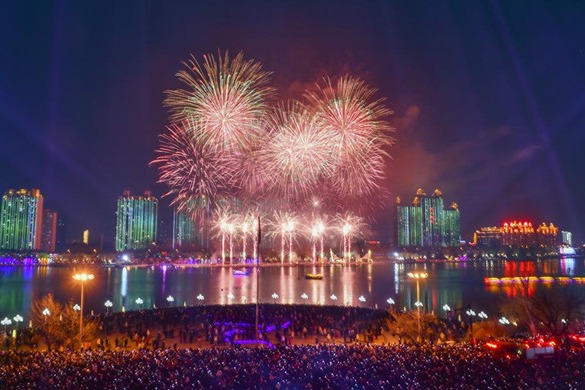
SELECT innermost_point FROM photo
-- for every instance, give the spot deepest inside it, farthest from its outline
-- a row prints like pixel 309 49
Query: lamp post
pixel 108 304
pixel 46 313
pixel 418 276
pixel 82 278
pixel 6 321
pixel 471 314
pixel 170 300
pixel 17 318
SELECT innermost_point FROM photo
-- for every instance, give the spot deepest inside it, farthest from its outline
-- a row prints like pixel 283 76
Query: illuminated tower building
pixel 136 221
pixel 49 231
pixel 427 223
pixel 452 222
pixel 184 229
pixel 517 235
pixel 21 220
pixel 566 238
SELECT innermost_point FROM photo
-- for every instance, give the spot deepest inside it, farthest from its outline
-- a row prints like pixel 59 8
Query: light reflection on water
pixel 454 284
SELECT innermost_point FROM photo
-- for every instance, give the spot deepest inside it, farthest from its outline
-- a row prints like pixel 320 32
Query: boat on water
pixel 241 272
pixel 314 276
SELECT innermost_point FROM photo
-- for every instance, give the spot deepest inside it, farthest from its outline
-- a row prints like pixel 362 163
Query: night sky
pixel 489 97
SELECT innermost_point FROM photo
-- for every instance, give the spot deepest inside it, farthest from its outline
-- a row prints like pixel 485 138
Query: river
pixel 456 284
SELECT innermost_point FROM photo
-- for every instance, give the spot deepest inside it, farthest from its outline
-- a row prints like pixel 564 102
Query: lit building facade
pixel 518 235
pixel 427 223
pixel 566 238
pixel 21 220
pixel 184 230
pixel 49 231
pixel 136 221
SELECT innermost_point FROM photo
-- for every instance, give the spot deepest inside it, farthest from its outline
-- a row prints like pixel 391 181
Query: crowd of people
pixel 221 325
pixel 323 366
pixel 298 347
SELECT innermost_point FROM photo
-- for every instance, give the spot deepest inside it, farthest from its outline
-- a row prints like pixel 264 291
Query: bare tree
pixel 550 310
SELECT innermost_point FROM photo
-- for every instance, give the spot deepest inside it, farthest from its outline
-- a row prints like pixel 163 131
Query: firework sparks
pixel 298 155
pixel 225 99
pixel 226 141
pixel 197 176
pixel 347 110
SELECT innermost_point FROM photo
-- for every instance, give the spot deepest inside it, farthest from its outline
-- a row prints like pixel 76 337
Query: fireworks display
pixel 359 133
pixel 225 99
pixel 197 176
pixel 228 140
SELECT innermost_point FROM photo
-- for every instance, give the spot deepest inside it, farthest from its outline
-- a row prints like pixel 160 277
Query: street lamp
pixel 200 297
pixel 418 276
pixel 82 278
pixel 275 297
pixel 333 297
pixel 108 304
pixel 170 299
pixel 362 299
pixel 76 307
pixel 18 318
pixel 6 321
pixel 471 314
pixel 304 296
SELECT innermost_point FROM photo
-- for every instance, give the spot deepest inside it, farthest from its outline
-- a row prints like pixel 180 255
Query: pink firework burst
pixel 298 153
pixel 347 109
pixel 197 175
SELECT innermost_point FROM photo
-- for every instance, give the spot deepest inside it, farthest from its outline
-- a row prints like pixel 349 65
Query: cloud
pixel 523 154
pixel 409 119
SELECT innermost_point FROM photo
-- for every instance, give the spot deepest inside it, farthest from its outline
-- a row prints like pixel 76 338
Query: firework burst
pixel 297 156
pixel 225 99
pixel 197 176
pixel 347 110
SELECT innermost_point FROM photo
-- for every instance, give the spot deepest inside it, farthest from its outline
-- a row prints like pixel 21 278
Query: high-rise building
pixel 85 237
pixel 21 220
pixel 61 233
pixel 136 221
pixel 567 238
pixel 426 223
pixel 184 230
pixel 49 231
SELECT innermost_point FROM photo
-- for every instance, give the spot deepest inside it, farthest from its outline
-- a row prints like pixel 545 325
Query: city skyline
pixel 488 100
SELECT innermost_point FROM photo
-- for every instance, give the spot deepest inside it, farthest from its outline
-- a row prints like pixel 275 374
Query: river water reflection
pixel 455 284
